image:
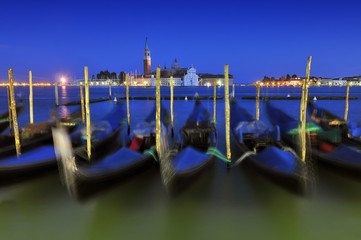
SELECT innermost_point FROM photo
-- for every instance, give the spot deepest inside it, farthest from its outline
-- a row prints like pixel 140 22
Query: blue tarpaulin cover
pixel 283 120
pixel 199 114
pixel 242 122
pixel 277 159
pixel 39 154
pixel 164 117
pixel 121 158
pixel 354 130
pixel 239 114
pixel 188 158
pixel 102 128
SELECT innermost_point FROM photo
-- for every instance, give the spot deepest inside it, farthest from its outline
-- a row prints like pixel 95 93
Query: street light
pixel 63 80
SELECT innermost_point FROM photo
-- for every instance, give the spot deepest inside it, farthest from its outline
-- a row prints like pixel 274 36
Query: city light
pixel 63 80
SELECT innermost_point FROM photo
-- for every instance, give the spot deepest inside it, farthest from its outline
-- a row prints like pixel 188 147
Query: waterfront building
pixel 165 81
pixel 339 82
pixel 191 78
pixel 325 82
pixel 294 81
pixel 97 82
pixel 354 81
pixel 206 79
pixel 176 81
pixel 181 76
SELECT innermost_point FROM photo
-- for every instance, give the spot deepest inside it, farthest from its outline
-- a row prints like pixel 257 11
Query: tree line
pixel 108 75
pixel 282 78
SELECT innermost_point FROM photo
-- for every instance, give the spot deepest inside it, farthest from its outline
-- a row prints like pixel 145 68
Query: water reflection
pixel 63 111
pixel 64 94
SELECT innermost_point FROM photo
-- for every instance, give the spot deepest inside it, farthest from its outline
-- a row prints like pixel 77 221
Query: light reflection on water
pixel 64 93
pixel 63 111
pixel 221 204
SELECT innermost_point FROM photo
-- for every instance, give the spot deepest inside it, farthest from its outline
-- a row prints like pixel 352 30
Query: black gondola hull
pixel 88 185
pixel 182 180
pixel 293 182
pixel 5 124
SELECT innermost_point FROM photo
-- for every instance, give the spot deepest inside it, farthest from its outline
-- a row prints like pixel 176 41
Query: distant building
pixel 177 82
pixel 339 82
pixel 175 65
pixel 191 78
pixel 354 81
pixel 147 61
pixel 181 76
pixel 98 82
pixel 206 79
pixel 294 81
pixel 325 82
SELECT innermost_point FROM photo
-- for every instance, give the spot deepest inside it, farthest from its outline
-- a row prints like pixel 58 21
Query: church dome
pixel 175 65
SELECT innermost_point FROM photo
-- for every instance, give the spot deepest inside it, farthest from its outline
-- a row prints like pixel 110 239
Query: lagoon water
pixel 225 204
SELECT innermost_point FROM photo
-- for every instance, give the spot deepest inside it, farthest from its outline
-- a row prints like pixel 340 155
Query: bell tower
pixel 147 60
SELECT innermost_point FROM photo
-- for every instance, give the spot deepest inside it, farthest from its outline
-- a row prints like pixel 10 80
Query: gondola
pixel 263 150
pixel 324 146
pixel 135 153
pixel 43 157
pixel 4 117
pixel 350 132
pixel 188 156
pixel 37 134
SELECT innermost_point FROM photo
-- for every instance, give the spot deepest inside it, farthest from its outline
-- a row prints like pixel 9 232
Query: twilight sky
pixel 54 38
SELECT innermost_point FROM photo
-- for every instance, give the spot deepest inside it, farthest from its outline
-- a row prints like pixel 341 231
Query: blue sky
pixel 54 38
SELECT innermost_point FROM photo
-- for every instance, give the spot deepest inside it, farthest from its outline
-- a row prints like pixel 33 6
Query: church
pixel 181 76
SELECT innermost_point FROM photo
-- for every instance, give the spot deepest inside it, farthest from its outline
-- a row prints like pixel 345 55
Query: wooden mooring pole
pixel 56 95
pixel 13 113
pixel 347 95
pixel 157 116
pixel 304 109
pixel 31 97
pixel 127 96
pixel 82 102
pixel 88 133
pixel 171 102
pixel 257 101
pixel 227 112
pixel 9 107
pixel 110 90
pixel 214 101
